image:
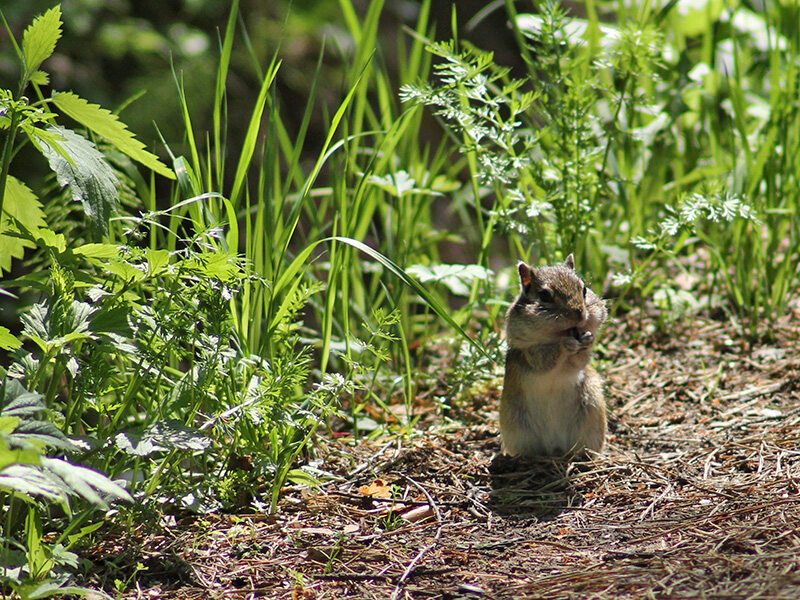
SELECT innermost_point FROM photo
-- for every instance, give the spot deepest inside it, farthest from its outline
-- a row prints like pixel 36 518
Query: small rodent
pixel 552 402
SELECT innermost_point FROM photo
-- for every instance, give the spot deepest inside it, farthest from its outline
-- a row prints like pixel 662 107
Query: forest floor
pixel 697 495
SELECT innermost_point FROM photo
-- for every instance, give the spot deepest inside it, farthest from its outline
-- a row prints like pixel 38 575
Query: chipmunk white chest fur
pixel 552 402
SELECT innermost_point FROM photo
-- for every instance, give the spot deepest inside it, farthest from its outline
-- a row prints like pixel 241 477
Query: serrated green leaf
pixel 48 238
pixel 104 123
pixel 7 425
pixel 16 401
pixel 8 341
pixel 40 78
pixel 161 436
pixel 124 271
pixel 30 481
pixel 37 433
pixel 34 322
pixel 49 136
pixel 39 39
pixel 157 261
pixel 85 482
pixel 97 251
pixel 23 207
pixel 16 456
pixel 91 181
pixel 214 264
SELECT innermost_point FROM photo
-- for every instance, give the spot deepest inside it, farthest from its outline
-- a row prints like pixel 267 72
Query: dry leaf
pixel 377 489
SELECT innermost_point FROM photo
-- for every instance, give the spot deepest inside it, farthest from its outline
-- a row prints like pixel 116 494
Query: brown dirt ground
pixel 696 496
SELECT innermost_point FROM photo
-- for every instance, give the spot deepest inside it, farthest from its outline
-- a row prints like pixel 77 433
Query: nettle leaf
pixel 16 456
pixel 20 208
pixel 8 341
pixel 160 436
pixel 105 123
pixel 34 322
pixel 214 264
pixel 40 78
pixel 47 238
pixel 91 180
pixel 84 482
pixel 39 39
pixel 49 136
pixel 97 251
pixel 8 424
pixel 30 481
pixel 51 331
pixel 28 433
pixel 16 401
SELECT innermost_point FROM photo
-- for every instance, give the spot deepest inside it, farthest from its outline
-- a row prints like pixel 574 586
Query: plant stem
pixel 8 151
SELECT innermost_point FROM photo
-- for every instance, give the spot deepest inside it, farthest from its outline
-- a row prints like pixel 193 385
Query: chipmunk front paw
pixel 576 340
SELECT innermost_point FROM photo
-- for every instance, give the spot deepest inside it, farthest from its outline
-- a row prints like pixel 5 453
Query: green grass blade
pixel 441 311
pixel 251 137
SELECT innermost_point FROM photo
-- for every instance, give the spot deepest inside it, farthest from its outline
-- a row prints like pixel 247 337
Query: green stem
pixel 8 151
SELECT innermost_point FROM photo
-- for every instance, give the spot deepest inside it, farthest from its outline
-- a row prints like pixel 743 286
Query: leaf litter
pixel 697 495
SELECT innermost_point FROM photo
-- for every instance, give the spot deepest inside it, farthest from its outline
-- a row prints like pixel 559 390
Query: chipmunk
pixel 552 402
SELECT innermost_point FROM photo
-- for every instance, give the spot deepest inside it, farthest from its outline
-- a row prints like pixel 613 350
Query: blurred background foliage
pixel 126 54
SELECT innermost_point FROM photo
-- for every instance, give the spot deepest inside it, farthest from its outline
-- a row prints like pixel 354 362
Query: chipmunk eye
pixel 545 296
pixel 584 292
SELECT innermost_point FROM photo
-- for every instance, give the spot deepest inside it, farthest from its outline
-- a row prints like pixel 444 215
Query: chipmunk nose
pixel 581 315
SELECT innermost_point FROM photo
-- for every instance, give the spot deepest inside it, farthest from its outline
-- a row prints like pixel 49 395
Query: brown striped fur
pixel 552 402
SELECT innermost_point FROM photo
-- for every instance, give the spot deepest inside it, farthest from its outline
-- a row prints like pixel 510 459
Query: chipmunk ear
pixel 524 275
pixel 570 262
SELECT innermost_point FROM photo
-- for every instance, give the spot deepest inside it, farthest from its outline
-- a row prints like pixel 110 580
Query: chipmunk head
pixel 553 302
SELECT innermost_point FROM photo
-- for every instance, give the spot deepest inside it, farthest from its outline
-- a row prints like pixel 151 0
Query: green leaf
pixel 161 436
pixel 47 238
pixel 84 482
pixel 39 39
pixel 50 588
pixel 300 477
pixel 125 271
pixel 15 456
pixel 16 401
pixel 7 425
pixel 396 184
pixel 97 251
pixel 40 78
pixel 91 180
pixel 8 341
pixel 455 277
pixel 44 432
pixel 28 480
pixel 157 261
pixel 20 207
pixel 106 124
